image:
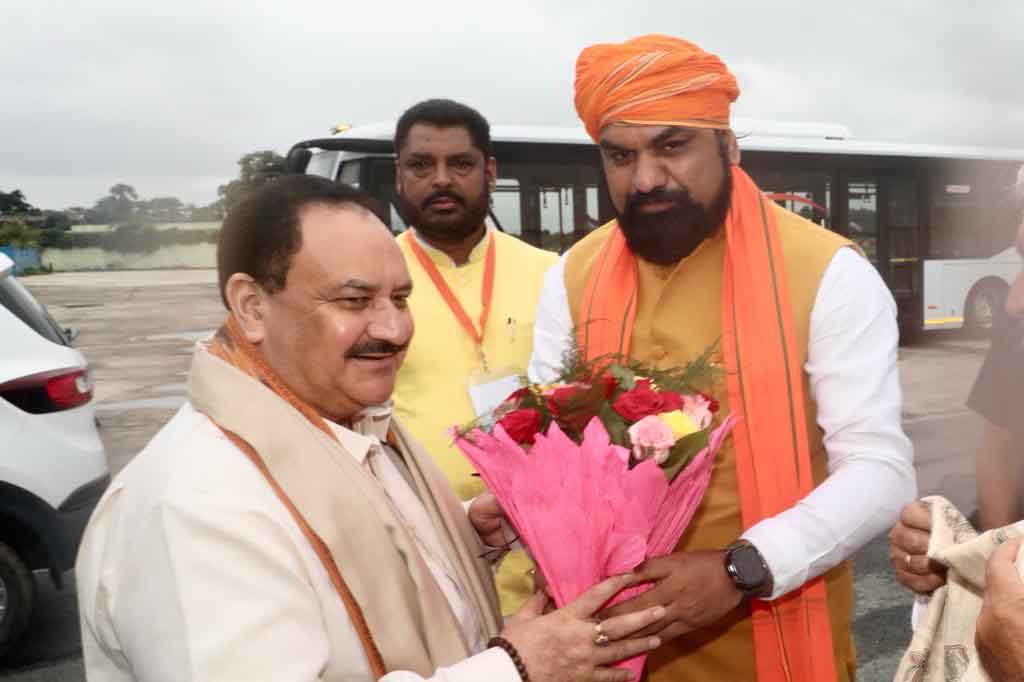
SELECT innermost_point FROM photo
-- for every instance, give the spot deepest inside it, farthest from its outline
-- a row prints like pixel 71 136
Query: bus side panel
pixel 940 312
pixel 948 283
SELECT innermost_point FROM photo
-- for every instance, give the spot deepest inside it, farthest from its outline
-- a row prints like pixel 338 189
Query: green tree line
pixel 132 217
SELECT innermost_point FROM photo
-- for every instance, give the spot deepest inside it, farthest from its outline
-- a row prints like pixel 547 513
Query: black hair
pixel 446 113
pixel 261 233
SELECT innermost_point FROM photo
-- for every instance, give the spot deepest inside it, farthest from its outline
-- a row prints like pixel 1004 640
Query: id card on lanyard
pixel 489 386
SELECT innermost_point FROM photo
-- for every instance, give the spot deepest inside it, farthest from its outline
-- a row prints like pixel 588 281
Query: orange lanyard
pixel 486 292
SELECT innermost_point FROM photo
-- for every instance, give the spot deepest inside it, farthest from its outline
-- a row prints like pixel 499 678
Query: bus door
pixel 883 219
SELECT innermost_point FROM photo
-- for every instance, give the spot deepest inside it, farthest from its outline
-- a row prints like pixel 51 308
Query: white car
pixel 52 465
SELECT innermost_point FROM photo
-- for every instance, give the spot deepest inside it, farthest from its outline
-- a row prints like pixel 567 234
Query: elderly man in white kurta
pixel 283 526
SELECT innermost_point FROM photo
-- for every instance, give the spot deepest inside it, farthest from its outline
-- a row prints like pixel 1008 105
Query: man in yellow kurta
pixel 805 329
pixel 476 292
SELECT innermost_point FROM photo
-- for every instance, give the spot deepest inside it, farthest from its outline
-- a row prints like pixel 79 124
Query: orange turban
pixel 652 80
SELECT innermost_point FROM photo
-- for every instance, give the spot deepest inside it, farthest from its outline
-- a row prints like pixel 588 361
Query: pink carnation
pixel 699 409
pixel 651 437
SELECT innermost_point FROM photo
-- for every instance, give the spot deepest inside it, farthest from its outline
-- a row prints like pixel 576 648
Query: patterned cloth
pixel 942 649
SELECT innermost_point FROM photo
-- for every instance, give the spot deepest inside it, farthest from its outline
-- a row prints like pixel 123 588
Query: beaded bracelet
pixel 513 654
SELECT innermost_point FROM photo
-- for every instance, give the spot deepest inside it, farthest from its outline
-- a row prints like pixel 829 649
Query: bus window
pixel 806 193
pixel 950 213
pixel 397 225
pixel 322 164
pixel 381 184
pixel 505 203
pixel 862 197
pixel 556 218
pixel 970 219
pixel 591 218
pixel 349 172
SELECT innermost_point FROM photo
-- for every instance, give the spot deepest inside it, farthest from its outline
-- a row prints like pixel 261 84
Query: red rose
pixel 568 406
pixel 560 399
pixel 515 398
pixel 521 425
pixel 644 401
pixel 670 401
pixel 610 384
pixel 517 394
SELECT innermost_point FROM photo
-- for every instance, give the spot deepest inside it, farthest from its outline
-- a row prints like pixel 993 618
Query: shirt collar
pixel 441 258
pixel 369 429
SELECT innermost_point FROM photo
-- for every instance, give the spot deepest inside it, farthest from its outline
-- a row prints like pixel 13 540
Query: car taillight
pixel 49 391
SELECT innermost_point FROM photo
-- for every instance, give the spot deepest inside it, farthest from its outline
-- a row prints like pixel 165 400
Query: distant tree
pixel 18 233
pixel 209 213
pixel 162 208
pixel 56 220
pixel 117 206
pixel 123 192
pixel 14 202
pixel 255 170
pixel 77 214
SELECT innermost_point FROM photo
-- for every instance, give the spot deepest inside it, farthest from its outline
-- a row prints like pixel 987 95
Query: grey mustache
pixel 374 348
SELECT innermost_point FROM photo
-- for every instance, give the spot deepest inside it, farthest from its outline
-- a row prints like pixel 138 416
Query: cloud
pixel 175 93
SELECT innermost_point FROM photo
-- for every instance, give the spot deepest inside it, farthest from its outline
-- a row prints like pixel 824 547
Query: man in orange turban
pixel 759 587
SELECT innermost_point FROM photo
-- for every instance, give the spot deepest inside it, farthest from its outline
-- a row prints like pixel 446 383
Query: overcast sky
pixel 166 96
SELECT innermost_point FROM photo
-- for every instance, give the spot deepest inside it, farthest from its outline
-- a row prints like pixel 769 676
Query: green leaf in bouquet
pixel 615 425
pixel 702 372
pixel 683 452
pixel 624 377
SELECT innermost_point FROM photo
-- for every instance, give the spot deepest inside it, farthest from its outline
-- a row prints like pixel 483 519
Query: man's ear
pixel 398 177
pixel 248 304
pixel 732 147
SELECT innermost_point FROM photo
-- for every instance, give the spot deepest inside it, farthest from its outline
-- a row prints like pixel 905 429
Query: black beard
pixel 669 236
pixel 445 230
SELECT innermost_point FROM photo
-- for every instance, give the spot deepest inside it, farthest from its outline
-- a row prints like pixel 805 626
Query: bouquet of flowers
pixel 602 469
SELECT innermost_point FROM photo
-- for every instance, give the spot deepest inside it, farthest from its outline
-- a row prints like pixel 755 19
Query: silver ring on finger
pixel 909 567
pixel 601 638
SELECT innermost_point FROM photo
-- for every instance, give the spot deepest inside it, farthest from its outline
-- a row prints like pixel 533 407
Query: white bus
pixel 937 221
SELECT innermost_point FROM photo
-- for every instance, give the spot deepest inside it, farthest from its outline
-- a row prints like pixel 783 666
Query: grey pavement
pixel 138 328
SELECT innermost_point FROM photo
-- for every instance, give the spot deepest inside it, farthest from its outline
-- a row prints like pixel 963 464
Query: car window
pixel 19 301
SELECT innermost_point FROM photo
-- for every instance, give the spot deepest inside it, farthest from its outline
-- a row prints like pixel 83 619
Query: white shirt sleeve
pixel 492 664
pixel 854 380
pixel 211 591
pixel 552 327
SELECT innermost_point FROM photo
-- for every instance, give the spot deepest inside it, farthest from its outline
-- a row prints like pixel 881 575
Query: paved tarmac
pixel 138 328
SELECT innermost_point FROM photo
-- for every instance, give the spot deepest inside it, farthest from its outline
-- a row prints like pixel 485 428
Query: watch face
pixel 749 568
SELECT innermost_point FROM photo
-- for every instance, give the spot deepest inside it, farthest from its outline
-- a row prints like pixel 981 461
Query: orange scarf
pixel 231 346
pixel 793 634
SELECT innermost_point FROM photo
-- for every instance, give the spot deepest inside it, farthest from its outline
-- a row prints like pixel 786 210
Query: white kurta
pixel 192 569
pixel 854 380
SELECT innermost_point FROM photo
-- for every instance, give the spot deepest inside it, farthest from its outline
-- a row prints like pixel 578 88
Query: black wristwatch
pixel 748 570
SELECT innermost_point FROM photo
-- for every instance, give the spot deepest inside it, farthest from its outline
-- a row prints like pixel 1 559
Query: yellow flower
pixel 681 425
